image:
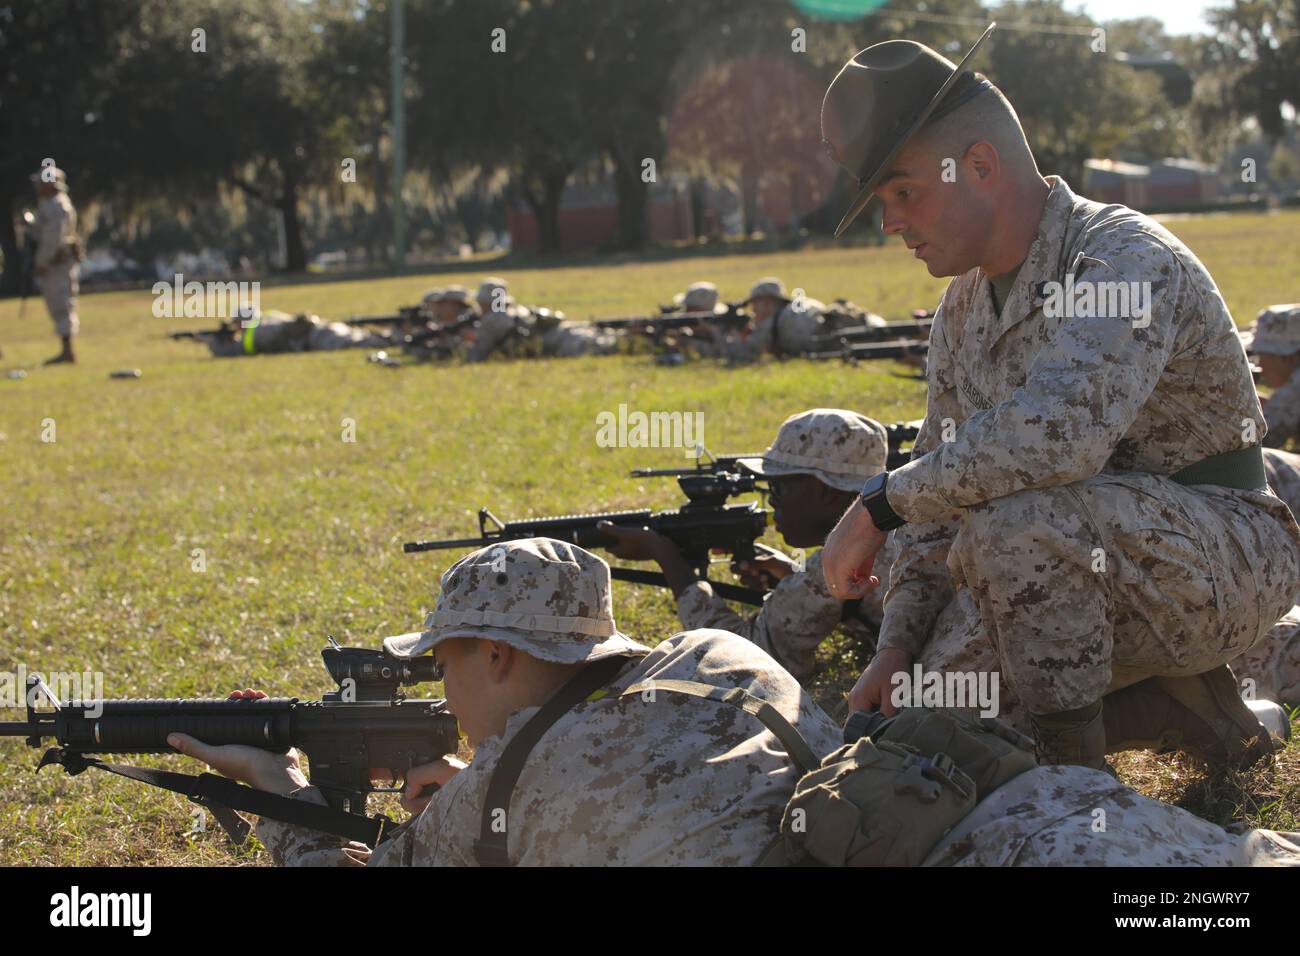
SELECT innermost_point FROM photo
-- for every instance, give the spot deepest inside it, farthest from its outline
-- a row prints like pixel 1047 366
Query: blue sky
pixel 1179 16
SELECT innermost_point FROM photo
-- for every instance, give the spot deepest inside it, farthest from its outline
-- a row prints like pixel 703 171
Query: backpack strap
pixel 802 755
pixel 490 849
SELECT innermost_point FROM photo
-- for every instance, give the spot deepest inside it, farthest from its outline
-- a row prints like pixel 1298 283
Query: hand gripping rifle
pixel 367 723
pixel 706 523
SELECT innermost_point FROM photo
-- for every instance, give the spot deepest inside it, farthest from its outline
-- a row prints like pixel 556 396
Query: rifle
pixel 198 335
pixel 878 333
pixel 405 315
pixel 898 433
pixel 667 321
pixel 437 340
pixel 704 524
pixel 867 351
pixel 367 723
pixel 26 263
pixel 705 464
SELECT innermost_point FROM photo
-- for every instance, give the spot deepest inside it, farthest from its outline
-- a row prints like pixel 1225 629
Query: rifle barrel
pixel 411 547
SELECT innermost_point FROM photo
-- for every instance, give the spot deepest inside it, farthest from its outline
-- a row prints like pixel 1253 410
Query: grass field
pixel 301 531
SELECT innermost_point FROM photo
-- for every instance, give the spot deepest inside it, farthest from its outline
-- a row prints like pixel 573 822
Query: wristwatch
pixel 873 499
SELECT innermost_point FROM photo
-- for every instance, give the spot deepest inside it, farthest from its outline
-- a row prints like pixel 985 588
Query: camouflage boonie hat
pixel 430 297
pixel 1275 332
pixel 700 297
pixel 547 598
pixel 52 175
pixel 454 293
pixel 768 285
pixel 488 288
pixel 841 448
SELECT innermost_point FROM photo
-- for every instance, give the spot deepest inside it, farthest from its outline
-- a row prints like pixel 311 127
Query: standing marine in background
pixel 58 256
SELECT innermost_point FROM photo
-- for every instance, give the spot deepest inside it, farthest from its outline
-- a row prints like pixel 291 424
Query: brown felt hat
pixel 879 101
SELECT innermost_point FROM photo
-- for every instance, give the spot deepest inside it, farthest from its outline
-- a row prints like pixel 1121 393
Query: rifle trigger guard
pixel 73 763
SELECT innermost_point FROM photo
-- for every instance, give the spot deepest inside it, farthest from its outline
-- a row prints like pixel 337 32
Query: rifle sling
pixel 490 848
pixel 223 796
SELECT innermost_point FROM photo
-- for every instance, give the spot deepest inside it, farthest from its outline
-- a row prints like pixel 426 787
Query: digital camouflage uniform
pixel 792 331
pixel 1075 816
pixel 617 780
pixel 331 336
pixel 1064 431
pixel 1276 331
pixel 842 449
pixel 494 330
pixel 270 332
pixel 572 339
pixel 56 255
pixel 957 642
pixel 1283 470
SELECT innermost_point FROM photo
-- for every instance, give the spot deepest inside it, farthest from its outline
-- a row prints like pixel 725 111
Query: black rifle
pixel 705 464
pixel 26 263
pixel 706 523
pixel 855 352
pixel 439 340
pixel 900 432
pixel 405 315
pixel 366 724
pixel 656 326
pixel 874 333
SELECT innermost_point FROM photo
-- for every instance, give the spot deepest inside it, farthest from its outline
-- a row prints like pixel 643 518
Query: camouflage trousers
pixel 59 287
pixel 1089 587
pixel 1271 669
pixel 1268 671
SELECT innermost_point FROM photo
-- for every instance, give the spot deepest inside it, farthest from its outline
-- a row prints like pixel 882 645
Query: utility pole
pixel 399 133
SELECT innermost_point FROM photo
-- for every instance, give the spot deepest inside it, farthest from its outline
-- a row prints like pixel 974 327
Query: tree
pixel 1254 60
pixel 56 56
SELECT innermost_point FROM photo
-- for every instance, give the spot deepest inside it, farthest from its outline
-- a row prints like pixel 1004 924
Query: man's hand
pixel 635 544
pixel 766 571
pixel 872 690
pixel 850 552
pixel 437 773
pixel 261 769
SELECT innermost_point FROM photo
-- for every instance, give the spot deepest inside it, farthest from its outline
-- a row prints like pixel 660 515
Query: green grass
pixel 302 531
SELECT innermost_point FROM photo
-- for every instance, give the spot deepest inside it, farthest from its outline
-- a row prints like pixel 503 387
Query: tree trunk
pixel 381 226
pixel 749 198
pixel 295 257
pixel 698 228
pixel 12 277
pixel 545 206
pixel 633 200
pixel 553 191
